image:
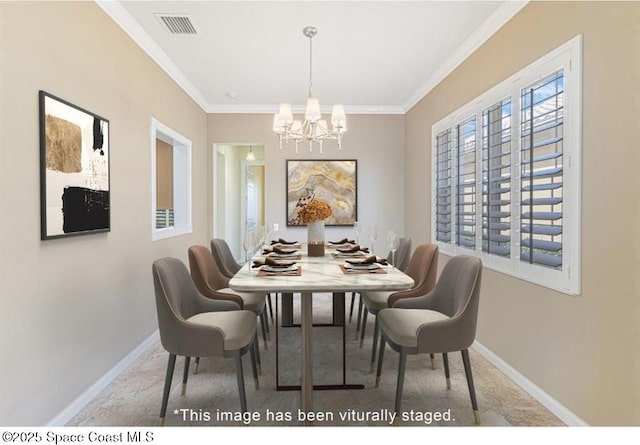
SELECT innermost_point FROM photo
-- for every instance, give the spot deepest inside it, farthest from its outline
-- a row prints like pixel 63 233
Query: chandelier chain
pixel 311 66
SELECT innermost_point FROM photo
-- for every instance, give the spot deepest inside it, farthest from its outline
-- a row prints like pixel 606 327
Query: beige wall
pixel 376 141
pixel 583 350
pixel 72 308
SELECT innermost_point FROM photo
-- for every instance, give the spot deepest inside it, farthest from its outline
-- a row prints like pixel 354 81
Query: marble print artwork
pixel 333 181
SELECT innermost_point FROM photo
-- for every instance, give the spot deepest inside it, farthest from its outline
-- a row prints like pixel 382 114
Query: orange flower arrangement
pixel 314 211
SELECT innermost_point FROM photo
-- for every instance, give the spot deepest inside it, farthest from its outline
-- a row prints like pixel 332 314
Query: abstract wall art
pixel 332 181
pixel 74 170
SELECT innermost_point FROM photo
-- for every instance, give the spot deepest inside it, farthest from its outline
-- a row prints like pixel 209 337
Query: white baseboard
pixel 557 408
pixel 83 399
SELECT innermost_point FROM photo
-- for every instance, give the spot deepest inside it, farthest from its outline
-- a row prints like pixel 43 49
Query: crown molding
pixel 501 16
pixel 299 109
pixel 121 16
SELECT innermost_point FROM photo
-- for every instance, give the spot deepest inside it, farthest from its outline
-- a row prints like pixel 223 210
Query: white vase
pixel 315 238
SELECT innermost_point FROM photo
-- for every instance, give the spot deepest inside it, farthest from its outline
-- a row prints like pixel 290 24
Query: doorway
pixel 238 192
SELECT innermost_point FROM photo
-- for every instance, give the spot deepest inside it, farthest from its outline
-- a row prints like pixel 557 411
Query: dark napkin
pixel 272 263
pixel 371 259
pixel 283 241
pixel 278 249
pixel 343 241
pixel 352 249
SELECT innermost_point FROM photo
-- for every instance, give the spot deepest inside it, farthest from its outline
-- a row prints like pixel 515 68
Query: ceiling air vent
pixel 177 24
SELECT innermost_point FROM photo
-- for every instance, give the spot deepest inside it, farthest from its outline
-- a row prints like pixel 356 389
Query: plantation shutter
pixel 466 184
pixel 541 159
pixel 496 179
pixel 443 186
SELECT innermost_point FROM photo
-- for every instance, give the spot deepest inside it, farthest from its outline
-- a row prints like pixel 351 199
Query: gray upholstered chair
pixel 442 321
pixel 423 268
pixel 224 258
pixel 211 283
pixel 192 325
pixel 400 260
pixel 229 266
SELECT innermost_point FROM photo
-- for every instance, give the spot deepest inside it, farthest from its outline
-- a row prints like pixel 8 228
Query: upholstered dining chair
pixel 442 321
pixel 194 326
pixel 229 266
pixel 399 260
pixel 423 268
pixel 224 258
pixel 211 283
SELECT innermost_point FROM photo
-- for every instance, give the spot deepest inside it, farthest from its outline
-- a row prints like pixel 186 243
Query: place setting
pixel 368 264
pixel 350 251
pixel 281 242
pixel 277 251
pixel 268 266
pixel 344 243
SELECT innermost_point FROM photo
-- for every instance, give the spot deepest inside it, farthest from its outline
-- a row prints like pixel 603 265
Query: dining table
pixel 315 274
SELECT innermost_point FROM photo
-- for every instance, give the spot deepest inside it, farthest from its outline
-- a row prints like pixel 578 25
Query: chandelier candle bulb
pixel 312 112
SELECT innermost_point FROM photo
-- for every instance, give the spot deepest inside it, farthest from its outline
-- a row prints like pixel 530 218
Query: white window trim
pixel 568 280
pixel 182 181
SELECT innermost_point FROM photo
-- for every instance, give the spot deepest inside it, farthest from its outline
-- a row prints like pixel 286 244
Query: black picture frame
pixel 74 170
pixel 334 181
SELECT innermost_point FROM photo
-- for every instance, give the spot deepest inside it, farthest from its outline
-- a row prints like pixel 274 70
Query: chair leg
pixel 472 390
pixel 255 340
pixel 360 307
pixel 433 360
pixel 167 386
pixel 353 300
pixel 266 323
pixel 254 368
pixel 195 368
pixel 264 330
pixel 375 344
pixel 185 375
pixel 380 357
pixel 240 375
pixel 402 364
pixel 445 360
pixel 364 326
pixel 270 305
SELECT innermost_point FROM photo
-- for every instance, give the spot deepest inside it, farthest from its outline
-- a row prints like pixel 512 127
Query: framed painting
pixel 74 170
pixel 332 181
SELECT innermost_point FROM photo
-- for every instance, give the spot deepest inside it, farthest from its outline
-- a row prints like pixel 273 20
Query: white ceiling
pixel 371 56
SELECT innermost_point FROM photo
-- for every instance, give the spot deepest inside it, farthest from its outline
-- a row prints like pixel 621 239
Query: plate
pixel 349 254
pixel 280 269
pixel 361 266
pixel 283 255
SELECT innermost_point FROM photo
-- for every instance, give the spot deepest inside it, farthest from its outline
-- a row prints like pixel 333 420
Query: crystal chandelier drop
pixel 314 129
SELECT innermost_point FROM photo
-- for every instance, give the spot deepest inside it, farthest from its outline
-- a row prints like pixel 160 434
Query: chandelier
pixel 314 129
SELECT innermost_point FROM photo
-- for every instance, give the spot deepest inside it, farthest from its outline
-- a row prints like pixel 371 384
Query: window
pixel 507 174
pixel 170 182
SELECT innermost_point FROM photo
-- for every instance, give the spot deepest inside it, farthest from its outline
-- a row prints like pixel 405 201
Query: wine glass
pixel 248 242
pixel 262 236
pixel 373 236
pixel 356 229
pixel 393 241
pixel 268 232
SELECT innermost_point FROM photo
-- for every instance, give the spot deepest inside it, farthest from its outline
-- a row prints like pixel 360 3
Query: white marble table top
pixel 320 274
